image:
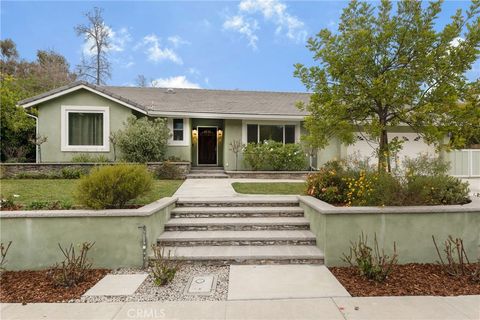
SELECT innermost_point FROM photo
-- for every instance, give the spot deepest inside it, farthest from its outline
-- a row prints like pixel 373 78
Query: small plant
pixel 236 146
pixel 88 158
pixel 38 141
pixel 456 260
pixel 113 186
pixel 49 205
pixel 164 267
pixel 73 173
pixel 168 171
pixel 9 203
pixel 371 262
pixel 74 268
pixel 3 255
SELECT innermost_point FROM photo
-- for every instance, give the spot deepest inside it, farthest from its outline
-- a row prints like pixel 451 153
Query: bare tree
pixel 97 34
pixel 141 81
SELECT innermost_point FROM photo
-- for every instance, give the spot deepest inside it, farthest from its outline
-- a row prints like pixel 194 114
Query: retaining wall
pixel 12 170
pixel 118 240
pixel 299 175
pixel 410 227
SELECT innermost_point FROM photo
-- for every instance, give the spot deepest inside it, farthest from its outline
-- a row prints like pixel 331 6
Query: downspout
pixel 37 147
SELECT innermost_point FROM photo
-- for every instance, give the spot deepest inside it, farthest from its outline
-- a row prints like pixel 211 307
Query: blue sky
pixel 248 45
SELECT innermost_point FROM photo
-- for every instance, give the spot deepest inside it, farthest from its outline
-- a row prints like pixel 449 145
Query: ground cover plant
pixel 420 181
pixel 20 194
pixel 269 188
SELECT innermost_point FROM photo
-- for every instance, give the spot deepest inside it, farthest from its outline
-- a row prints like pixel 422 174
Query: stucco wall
pixel 410 227
pixel 118 240
pixel 233 131
pixel 49 122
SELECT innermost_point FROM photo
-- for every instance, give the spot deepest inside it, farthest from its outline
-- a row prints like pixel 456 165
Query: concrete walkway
pixel 381 308
pixel 204 188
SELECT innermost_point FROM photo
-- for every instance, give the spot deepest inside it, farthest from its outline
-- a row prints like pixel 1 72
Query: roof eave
pixel 233 116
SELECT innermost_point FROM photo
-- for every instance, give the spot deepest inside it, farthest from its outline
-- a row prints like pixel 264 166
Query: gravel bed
pixel 174 291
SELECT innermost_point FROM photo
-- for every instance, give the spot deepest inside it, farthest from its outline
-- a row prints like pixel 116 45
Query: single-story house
pixel 79 117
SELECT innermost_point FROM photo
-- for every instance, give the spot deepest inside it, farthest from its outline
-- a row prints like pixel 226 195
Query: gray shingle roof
pixel 197 100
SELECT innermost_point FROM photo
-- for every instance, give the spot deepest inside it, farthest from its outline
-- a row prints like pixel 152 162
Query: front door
pixel 207 146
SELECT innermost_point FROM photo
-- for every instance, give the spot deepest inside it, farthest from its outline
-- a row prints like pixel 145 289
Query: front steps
pixel 207 173
pixel 240 231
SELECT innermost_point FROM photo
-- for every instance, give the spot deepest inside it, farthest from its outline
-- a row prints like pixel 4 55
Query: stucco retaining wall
pixel 118 240
pixel 12 170
pixel 410 227
pixel 299 175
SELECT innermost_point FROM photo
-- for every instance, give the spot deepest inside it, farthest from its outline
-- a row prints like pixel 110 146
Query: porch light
pixel 219 135
pixel 194 136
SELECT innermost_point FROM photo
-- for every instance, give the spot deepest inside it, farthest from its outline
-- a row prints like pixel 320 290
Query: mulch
pixel 38 286
pixel 411 279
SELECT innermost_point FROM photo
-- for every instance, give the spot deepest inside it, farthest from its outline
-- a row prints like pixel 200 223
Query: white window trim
pixel 85 109
pixel 262 122
pixel 186 132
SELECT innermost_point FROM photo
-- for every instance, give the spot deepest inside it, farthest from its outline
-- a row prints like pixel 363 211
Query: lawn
pixel 29 190
pixel 269 188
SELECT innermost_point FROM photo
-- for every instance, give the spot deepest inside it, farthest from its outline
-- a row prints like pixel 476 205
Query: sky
pixel 245 45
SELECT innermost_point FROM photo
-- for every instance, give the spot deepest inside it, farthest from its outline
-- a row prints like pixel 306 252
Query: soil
pixel 411 279
pixel 38 286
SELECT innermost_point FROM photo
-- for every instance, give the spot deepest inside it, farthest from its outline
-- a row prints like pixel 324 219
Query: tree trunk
pixel 98 67
pixel 384 153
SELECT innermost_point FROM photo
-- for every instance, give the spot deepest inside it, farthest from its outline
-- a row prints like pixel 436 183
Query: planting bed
pixel 411 279
pixel 38 286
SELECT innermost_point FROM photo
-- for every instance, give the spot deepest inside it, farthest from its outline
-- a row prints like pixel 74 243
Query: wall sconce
pixel 219 135
pixel 194 136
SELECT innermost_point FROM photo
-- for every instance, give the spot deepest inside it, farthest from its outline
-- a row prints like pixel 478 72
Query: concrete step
pixel 230 212
pixel 207 176
pixel 237 224
pixel 207 171
pixel 236 238
pixel 225 255
pixel 204 168
pixel 240 202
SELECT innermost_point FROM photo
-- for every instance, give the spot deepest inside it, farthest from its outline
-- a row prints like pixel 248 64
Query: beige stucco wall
pixel 49 122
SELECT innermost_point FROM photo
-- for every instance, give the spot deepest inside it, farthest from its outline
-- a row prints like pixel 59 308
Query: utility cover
pixel 201 285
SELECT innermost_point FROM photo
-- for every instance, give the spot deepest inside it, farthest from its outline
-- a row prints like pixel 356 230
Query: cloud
pixel 177 41
pixel 154 51
pixel 175 82
pixel 456 41
pixel 273 11
pixel 194 71
pixel 118 41
pixel 247 28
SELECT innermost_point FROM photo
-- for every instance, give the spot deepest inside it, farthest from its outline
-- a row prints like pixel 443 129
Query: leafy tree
pixel 97 34
pixel 143 140
pixel 383 69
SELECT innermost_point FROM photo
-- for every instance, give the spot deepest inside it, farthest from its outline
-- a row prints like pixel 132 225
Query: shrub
pixel 272 155
pixel 328 184
pixel 49 205
pixel 169 171
pixel 436 190
pixel 38 175
pixel 74 173
pixel 113 186
pixel 143 140
pixel 164 267
pixel 370 262
pixel 73 269
pixel 90 158
pixel 425 165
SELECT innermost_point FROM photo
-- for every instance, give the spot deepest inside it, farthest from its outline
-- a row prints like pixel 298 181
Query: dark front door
pixel 207 145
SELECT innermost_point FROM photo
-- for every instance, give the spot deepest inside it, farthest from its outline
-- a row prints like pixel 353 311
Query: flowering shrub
pixel 277 156
pixel 329 183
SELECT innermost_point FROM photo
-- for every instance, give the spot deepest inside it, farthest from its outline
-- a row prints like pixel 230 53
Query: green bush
pixel 143 140
pixel 436 190
pixel 169 171
pixel 74 173
pixel 90 158
pixel 425 165
pixel 328 184
pixel 113 186
pixel 272 155
pixel 49 205
pixel 38 175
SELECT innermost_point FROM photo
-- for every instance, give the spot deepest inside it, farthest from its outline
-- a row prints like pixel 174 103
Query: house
pixel 79 117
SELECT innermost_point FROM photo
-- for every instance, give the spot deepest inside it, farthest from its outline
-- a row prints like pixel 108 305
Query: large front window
pixel 261 132
pixel 85 129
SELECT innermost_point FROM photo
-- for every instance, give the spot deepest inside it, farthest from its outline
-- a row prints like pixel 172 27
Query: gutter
pixel 37 148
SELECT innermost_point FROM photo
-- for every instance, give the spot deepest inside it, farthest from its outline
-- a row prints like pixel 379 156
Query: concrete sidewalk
pixel 381 308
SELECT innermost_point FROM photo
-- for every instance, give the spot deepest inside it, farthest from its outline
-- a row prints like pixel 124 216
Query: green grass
pixel 61 189
pixel 269 188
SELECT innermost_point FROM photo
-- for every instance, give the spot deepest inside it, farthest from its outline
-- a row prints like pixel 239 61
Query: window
pixel 178 129
pixel 85 129
pixel 281 133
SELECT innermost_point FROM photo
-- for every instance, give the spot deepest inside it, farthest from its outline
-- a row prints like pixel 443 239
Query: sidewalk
pixel 381 308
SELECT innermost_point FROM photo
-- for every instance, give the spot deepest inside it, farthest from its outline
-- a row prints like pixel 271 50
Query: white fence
pixel 465 163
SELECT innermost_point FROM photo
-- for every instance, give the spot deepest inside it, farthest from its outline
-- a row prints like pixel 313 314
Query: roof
pixel 166 101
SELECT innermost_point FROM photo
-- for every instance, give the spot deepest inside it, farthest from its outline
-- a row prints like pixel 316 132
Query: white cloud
pixel 194 71
pixel 456 42
pixel 241 25
pixel 174 82
pixel 118 41
pixel 273 11
pixel 177 41
pixel 154 51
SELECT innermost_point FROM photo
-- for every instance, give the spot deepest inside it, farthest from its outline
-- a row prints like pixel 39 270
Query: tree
pixel 141 81
pixel 8 49
pixel 96 33
pixel 383 69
